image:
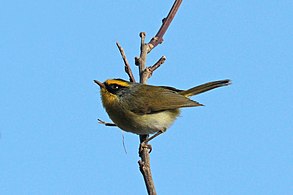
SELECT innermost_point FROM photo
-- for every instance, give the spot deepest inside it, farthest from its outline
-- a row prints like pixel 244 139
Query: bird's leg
pixel 144 144
pixel 154 136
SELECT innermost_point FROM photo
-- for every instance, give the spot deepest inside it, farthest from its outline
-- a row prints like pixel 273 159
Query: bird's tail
pixel 205 87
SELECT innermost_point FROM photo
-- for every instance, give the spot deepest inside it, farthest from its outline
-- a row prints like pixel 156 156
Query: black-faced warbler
pixel 146 109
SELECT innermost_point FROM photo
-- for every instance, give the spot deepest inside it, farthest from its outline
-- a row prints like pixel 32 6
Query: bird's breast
pixel 142 123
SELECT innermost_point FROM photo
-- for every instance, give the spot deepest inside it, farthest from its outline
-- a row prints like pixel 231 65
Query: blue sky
pixel 239 143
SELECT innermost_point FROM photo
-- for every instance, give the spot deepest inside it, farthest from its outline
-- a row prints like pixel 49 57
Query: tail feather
pixel 205 87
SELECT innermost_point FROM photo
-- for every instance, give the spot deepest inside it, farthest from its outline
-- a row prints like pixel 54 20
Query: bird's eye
pixel 115 87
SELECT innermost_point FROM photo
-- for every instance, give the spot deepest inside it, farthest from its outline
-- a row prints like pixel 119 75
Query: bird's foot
pixel 144 145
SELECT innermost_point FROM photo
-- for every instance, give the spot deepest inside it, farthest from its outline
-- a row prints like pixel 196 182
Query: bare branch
pixel 158 64
pixel 127 66
pixel 158 39
pixel 144 163
pixel 149 70
pixel 145 73
pixel 145 166
pixel 142 57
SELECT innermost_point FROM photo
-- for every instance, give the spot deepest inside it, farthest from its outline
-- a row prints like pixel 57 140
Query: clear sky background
pixel 241 142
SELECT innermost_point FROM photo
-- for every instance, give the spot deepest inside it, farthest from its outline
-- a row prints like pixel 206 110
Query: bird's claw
pixel 144 145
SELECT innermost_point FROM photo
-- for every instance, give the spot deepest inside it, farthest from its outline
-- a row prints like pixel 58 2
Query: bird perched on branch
pixel 147 109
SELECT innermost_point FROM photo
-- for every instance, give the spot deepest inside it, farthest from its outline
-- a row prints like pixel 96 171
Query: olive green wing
pixel 158 99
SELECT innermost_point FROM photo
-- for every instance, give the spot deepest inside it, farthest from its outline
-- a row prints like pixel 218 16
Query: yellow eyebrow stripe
pixel 117 82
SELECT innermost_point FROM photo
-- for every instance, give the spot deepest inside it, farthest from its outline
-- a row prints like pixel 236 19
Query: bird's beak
pixel 102 85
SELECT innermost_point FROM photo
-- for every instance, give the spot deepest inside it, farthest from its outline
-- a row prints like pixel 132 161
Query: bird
pixel 145 109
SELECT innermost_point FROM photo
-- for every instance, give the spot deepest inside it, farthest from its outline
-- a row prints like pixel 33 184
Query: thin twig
pixel 158 39
pixel 149 70
pixel 126 64
pixel 158 64
pixel 142 57
pixel 106 124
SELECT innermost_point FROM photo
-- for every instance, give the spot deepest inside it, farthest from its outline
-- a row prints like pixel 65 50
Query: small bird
pixel 146 109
